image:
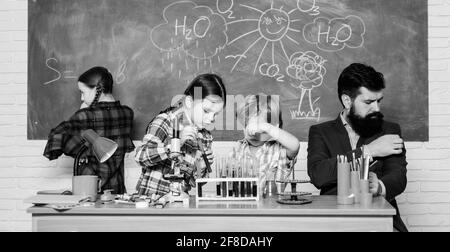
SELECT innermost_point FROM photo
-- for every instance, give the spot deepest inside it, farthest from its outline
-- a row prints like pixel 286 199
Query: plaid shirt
pixel 271 159
pixel 108 119
pixel 152 156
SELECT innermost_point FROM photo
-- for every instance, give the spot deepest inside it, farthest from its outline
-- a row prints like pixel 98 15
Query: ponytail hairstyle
pixel 211 84
pixel 100 78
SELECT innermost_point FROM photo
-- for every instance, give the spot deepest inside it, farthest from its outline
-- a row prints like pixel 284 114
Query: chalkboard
pixel 295 49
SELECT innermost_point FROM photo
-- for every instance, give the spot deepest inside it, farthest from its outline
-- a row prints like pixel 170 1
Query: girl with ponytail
pixel 95 85
pixel 100 112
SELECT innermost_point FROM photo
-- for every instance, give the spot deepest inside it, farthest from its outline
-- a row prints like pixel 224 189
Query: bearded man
pixel 359 131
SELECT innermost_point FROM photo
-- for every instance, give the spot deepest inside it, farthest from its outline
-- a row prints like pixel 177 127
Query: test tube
pixel 229 175
pixel 243 191
pixel 224 183
pixel 235 183
pixel 217 165
pixel 254 175
pixel 199 190
pixel 248 166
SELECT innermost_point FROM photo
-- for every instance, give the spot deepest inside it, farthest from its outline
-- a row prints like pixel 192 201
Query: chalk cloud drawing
pixel 273 28
pixel 335 34
pixel 200 33
pixel 307 69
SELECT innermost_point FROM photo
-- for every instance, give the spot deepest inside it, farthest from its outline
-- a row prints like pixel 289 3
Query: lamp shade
pixel 102 147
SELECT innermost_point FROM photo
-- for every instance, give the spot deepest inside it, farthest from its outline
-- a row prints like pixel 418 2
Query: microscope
pixel 175 176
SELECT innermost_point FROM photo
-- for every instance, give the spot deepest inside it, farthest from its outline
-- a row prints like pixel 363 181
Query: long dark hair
pixel 100 78
pixel 211 84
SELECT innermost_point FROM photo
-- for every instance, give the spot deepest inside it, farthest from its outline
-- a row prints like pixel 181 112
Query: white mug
pixel 86 185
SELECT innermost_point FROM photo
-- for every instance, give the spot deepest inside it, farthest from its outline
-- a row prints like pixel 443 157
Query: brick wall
pixel 425 206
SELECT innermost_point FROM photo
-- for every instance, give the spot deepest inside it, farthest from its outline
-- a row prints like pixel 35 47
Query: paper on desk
pixel 42 199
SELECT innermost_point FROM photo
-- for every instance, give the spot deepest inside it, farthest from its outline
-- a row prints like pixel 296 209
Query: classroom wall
pixel 425 205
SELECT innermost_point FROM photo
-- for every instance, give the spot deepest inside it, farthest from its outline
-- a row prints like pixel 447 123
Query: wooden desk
pixel 323 214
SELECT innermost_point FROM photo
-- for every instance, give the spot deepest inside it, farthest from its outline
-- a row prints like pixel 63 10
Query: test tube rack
pixel 294 197
pixel 225 196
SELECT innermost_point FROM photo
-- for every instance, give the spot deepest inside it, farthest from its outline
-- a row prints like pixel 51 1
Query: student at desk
pixel 360 90
pixel 204 98
pixel 102 113
pixel 273 149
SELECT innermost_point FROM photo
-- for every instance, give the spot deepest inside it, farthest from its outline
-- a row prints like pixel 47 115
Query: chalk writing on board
pixel 235 56
pixel 308 7
pixel 51 63
pixel 271 71
pixel 198 31
pixel 227 10
pixel 69 74
pixel 273 25
pixel 335 34
pixel 66 74
pixel 308 70
pixel 120 74
pixel 79 34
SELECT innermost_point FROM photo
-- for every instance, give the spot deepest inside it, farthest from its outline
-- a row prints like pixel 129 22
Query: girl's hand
pixel 174 155
pixel 210 156
pixel 188 133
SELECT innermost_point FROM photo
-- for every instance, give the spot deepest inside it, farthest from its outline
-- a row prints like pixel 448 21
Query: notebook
pixel 55 199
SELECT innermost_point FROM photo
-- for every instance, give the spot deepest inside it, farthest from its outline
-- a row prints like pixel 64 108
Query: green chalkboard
pixel 292 48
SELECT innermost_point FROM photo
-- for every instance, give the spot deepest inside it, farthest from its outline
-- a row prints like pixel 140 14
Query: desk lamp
pixel 102 147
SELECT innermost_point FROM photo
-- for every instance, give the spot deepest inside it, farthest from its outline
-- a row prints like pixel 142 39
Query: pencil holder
pixel 355 188
pixel 343 181
pixel 366 199
pixel 364 186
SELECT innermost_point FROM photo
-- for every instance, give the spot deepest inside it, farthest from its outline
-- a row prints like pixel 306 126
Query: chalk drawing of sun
pixel 274 28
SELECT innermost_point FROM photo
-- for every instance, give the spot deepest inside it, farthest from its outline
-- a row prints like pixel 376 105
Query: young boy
pixel 273 149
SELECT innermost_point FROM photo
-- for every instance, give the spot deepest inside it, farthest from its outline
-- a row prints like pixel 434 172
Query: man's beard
pixel 367 126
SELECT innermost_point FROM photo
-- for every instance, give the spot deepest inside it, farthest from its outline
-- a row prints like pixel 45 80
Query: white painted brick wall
pixel 425 205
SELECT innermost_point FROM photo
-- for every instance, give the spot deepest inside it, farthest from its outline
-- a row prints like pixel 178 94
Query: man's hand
pixel 386 145
pixel 374 185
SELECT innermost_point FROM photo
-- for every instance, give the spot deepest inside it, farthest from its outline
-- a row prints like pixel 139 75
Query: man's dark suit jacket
pixel 330 139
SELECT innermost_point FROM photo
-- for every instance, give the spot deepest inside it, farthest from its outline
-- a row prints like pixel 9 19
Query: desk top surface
pixel 321 205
